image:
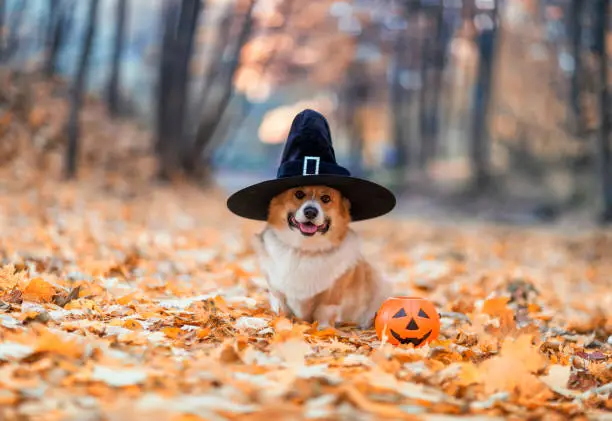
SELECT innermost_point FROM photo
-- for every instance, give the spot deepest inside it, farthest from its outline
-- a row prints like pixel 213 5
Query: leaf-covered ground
pixel 147 304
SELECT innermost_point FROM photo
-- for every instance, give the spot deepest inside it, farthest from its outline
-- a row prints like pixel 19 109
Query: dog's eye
pixel 325 198
pixel 300 194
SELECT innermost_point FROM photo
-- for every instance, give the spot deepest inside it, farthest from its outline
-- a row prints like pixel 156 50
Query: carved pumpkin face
pixel 407 320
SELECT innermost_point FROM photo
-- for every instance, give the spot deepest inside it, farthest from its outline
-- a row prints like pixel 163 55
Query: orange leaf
pixel 203 333
pixel 328 332
pixel 187 417
pixel 8 398
pixel 358 399
pixel 496 307
pixel 126 299
pixel 81 304
pixel 533 308
pixel 172 332
pixel 132 324
pixel 221 304
pixel 49 342
pixel 39 290
pixel 37 117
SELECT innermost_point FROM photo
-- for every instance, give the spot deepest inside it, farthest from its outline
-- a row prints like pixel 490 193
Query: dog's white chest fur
pixel 300 276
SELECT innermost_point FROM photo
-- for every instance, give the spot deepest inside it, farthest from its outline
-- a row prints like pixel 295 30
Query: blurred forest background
pixel 494 103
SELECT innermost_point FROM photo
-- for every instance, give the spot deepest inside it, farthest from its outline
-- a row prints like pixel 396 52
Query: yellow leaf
pixel 557 378
pixel 39 290
pixel 81 304
pixel 468 375
pixel 10 278
pixel 512 370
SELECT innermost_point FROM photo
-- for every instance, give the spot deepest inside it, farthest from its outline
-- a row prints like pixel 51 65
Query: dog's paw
pixel 366 325
pixel 326 316
pixel 279 306
pixel 323 325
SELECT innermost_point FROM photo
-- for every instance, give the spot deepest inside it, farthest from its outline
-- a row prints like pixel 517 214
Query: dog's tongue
pixel 309 228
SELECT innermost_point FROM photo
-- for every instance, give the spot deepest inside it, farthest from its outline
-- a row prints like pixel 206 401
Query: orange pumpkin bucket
pixel 407 320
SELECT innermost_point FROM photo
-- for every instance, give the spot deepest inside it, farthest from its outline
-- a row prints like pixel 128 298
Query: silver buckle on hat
pixel 316 159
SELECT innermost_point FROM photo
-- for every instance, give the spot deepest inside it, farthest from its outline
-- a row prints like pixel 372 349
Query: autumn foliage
pixel 148 304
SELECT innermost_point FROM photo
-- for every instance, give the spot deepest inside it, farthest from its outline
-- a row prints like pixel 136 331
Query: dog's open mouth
pixel 308 228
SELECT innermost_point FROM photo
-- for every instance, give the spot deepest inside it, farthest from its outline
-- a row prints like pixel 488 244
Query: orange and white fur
pixel 313 263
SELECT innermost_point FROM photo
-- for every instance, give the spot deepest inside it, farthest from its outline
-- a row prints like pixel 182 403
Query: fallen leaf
pixel 513 369
pixel 53 343
pixel 118 376
pixel 11 351
pixel 293 352
pixel 39 290
pixel 132 324
pixel 557 379
pixel 10 277
pixel 172 332
pixel 255 323
pixel 62 300
pixel 375 408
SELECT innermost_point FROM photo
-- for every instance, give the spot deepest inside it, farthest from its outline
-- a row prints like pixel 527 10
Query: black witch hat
pixel 309 159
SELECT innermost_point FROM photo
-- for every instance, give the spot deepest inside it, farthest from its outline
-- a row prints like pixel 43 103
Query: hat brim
pixel 368 199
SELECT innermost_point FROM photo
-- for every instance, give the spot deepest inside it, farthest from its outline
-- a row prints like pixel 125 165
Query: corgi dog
pixel 313 263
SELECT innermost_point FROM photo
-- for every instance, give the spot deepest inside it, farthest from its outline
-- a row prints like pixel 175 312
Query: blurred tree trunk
pixel 425 86
pixel 575 29
pixel 59 20
pixel 178 43
pixel 605 154
pixel 169 20
pixel 398 108
pixel 76 93
pixel 52 37
pixel 198 158
pixel 114 84
pixel 15 20
pixel 480 148
pixel 438 61
pixel 434 48
pixel 2 28
pixel 355 97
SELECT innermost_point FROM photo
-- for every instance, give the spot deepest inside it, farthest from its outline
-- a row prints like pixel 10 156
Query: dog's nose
pixel 310 212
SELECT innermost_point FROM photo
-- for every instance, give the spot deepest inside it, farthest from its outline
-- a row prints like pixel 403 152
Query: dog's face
pixel 312 217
